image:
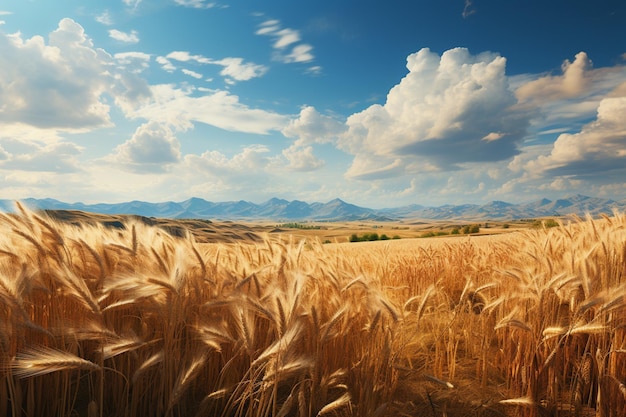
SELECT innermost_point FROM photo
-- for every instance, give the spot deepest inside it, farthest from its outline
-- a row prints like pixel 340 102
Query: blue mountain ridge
pixel 335 210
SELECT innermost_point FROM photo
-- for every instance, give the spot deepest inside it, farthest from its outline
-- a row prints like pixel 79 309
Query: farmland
pixel 140 318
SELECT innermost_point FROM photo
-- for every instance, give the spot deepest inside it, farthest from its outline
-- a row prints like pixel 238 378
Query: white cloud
pixel 314 70
pixel 285 37
pixel 105 18
pixel 468 10
pixel 134 4
pixel 131 37
pixel 572 83
pixel 236 170
pixel 221 109
pixel 491 136
pixel 166 64
pixel 196 4
pixel 374 167
pixel 127 57
pixel 288 48
pixel 3 13
pixel 598 150
pixel 302 159
pixel 152 148
pixel 268 27
pixel 300 53
pixel 191 73
pixel 312 127
pixel 234 69
pixel 437 118
pixel 58 85
pixel 135 62
pixel 560 184
pixel 59 157
pixel 573 95
pixel 184 56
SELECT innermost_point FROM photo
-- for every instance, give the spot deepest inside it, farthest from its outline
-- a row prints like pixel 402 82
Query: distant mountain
pixel 335 210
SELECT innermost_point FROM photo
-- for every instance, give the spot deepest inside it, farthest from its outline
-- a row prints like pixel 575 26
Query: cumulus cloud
pixel 571 83
pixel 287 46
pixel 59 157
pixel 572 95
pixel 180 108
pixel 448 110
pixel 312 127
pixel 252 159
pixel 55 85
pixel 302 159
pixel 598 150
pixel 152 148
pixel 132 37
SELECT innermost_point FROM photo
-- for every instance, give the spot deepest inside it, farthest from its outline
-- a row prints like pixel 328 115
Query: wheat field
pixel 135 322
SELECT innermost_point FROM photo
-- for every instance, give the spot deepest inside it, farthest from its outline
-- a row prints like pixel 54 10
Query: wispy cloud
pixel 238 70
pixel 287 43
pixel 191 73
pixel 182 108
pixel 132 3
pixel 233 69
pixel 3 13
pixel 199 4
pixel 127 57
pixel 166 64
pixel 105 18
pixel 468 10
pixel 132 37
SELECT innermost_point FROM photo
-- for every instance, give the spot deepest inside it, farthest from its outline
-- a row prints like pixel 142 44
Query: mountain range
pixel 335 210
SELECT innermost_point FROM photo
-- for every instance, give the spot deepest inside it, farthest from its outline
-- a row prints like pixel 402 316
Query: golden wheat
pixel 135 322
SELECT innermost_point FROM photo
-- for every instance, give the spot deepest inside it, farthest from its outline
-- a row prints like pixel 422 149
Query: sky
pixel 378 103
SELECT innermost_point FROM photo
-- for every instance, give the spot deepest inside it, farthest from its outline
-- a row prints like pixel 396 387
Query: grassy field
pixel 133 320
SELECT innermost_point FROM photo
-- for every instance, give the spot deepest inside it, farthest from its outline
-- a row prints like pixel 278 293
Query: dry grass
pixel 135 322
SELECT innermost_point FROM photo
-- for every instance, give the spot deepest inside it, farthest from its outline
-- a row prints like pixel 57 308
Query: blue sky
pixel 378 103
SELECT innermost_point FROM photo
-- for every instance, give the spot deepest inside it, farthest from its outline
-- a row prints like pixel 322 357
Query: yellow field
pixel 135 322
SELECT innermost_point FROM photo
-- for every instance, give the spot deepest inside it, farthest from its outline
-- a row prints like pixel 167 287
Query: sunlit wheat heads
pixel 134 322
